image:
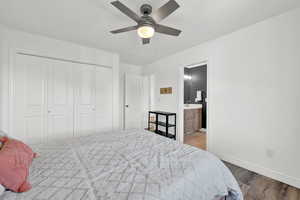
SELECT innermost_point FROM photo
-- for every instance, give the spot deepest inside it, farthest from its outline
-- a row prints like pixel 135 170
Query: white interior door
pixel 28 120
pixel 85 116
pixel 104 99
pixel 59 100
pixel 133 102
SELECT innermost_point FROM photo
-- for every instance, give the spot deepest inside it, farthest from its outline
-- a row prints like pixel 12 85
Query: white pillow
pixel 2 133
pixel 2 190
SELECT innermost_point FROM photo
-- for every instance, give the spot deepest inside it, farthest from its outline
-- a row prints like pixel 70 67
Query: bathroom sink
pixel 192 106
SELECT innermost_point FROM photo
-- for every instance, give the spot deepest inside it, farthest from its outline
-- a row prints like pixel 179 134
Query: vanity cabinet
pixel 192 120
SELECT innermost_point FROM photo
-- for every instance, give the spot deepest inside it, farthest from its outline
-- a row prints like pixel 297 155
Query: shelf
pixel 163 124
pixel 162 113
pixel 162 133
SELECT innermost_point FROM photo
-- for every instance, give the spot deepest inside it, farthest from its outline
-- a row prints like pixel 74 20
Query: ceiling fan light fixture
pixel 146 31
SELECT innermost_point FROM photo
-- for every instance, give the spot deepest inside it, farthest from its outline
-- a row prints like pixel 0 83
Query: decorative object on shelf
pixel 156 123
pixel 152 127
pixel 152 121
pixel 166 90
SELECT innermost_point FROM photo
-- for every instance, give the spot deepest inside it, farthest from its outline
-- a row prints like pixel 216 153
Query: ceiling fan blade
pixel 122 30
pixel 127 11
pixel 146 40
pixel 167 30
pixel 165 10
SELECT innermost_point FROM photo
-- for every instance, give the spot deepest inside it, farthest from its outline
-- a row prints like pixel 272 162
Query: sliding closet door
pixel 59 100
pixel 104 99
pixel 85 116
pixel 54 99
pixel 93 99
pixel 29 75
pixel 43 99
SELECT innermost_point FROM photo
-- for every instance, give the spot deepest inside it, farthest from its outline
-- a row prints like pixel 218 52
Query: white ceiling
pixel 88 22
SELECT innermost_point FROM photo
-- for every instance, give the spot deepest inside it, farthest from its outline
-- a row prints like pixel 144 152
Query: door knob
pixel 127 106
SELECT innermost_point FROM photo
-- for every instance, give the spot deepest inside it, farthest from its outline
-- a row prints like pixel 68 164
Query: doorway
pixel 195 106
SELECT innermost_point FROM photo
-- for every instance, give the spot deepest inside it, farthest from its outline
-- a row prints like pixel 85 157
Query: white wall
pixel 12 39
pixel 253 94
pixel 126 69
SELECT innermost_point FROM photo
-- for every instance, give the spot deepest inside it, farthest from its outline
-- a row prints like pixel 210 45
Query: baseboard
pixel 262 170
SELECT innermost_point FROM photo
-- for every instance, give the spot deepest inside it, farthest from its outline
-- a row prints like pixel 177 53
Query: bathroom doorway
pixel 195 106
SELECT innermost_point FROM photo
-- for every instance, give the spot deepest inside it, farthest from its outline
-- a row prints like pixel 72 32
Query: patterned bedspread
pixel 131 165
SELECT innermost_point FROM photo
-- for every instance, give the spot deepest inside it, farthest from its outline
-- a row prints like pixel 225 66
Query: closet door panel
pixel 104 99
pixel 54 99
pixel 34 132
pixel 60 100
pixel 29 98
pixel 85 122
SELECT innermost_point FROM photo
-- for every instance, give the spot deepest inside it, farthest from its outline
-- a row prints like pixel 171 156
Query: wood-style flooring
pixel 258 187
pixel 253 185
pixel 197 139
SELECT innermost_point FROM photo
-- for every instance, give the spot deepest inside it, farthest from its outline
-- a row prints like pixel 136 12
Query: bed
pixel 131 165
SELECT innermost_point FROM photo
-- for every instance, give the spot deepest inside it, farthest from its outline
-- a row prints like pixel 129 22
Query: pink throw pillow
pixel 15 160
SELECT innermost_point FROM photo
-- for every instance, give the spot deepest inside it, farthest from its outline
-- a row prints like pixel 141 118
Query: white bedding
pixel 132 165
pixel 2 189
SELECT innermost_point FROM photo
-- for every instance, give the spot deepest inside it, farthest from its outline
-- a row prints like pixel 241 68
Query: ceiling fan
pixel 147 23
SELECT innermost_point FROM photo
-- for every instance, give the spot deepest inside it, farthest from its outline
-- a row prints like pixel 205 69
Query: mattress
pixel 131 165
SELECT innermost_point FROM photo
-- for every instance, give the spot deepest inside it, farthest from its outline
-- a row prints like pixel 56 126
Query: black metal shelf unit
pixel 165 124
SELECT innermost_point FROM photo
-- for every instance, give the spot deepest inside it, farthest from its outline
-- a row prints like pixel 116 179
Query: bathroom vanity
pixel 192 118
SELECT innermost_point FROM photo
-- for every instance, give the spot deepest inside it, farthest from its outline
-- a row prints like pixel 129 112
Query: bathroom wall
pixel 187 87
pixel 198 82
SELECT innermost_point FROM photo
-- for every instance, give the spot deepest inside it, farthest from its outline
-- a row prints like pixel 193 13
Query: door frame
pixel 180 136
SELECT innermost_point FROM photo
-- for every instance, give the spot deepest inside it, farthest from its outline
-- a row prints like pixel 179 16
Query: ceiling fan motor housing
pixel 147 20
pixel 146 9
